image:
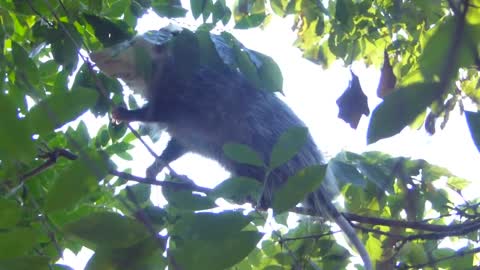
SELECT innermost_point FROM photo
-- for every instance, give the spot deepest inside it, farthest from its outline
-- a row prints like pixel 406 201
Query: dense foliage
pixel 59 187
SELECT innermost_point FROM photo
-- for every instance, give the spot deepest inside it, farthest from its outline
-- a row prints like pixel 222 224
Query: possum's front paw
pixel 120 114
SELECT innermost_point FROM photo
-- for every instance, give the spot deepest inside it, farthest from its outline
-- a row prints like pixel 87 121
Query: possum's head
pixel 134 60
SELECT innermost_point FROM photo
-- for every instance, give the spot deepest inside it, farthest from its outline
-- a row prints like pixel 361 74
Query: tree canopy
pixel 60 189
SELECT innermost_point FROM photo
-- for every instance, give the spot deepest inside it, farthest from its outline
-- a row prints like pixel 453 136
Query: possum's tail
pixel 321 202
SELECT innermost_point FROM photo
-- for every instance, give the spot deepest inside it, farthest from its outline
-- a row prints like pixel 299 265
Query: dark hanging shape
pixel 353 103
pixel 387 78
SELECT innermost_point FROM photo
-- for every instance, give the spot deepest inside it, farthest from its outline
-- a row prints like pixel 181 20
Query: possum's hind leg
pixel 173 151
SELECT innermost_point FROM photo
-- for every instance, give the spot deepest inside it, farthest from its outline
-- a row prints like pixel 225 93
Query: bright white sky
pixel 312 92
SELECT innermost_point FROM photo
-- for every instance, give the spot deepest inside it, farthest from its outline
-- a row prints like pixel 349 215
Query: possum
pixel 211 107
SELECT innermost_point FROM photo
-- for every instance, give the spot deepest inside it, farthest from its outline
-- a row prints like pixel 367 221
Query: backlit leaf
pixel 60 108
pixel 243 154
pixel 106 229
pixel 288 145
pixel 399 109
pixel 297 187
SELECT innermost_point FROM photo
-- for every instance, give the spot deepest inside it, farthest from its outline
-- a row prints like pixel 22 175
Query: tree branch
pixel 167 184
pixel 416 225
pixel 459 253
pixel 51 159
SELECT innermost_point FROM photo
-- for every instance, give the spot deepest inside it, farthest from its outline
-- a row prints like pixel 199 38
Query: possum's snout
pixel 126 61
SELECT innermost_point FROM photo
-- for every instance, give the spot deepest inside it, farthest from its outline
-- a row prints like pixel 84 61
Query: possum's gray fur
pixel 211 108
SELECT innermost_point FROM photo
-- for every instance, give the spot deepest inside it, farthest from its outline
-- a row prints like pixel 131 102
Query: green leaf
pixel 136 9
pixel 197 7
pixel 107 230
pixel 48 69
pixel 417 254
pixel 169 8
pixel 102 138
pixel 117 131
pixel 26 263
pixel 376 175
pixel 248 14
pixel 210 226
pixel 288 145
pixel 158 216
pixel 242 154
pixel 145 255
pixel 399 109
pixel 218 232
pixel 60 108
pixel 116 9
pixel 374 248
pixel 442 253
pixel 186 200
pixel 279 7
pixel 297 187
pixel 209 55
pixel 118 148
pixel 346 173
pixel 221 12
pixel 250 21
pixel 34 8
pixel 458 183
pixel 227 16
pixel 473 121
pixel 141 193
pixel 246 65
pixel 25 64
pixel 238 189
pixel 282 218
pixel 432 61
pixel 274 267
pixel 439 200
pixel 465 262
pixel 15 134
pixel 65 47
pixel 344 12
pixel 285 258
pixel 17 242
pixel 207 10
pixel 109 32
pixel 214 254
pixel 270 248
pixel 10 213
pixel 76 182
pixel 270 74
